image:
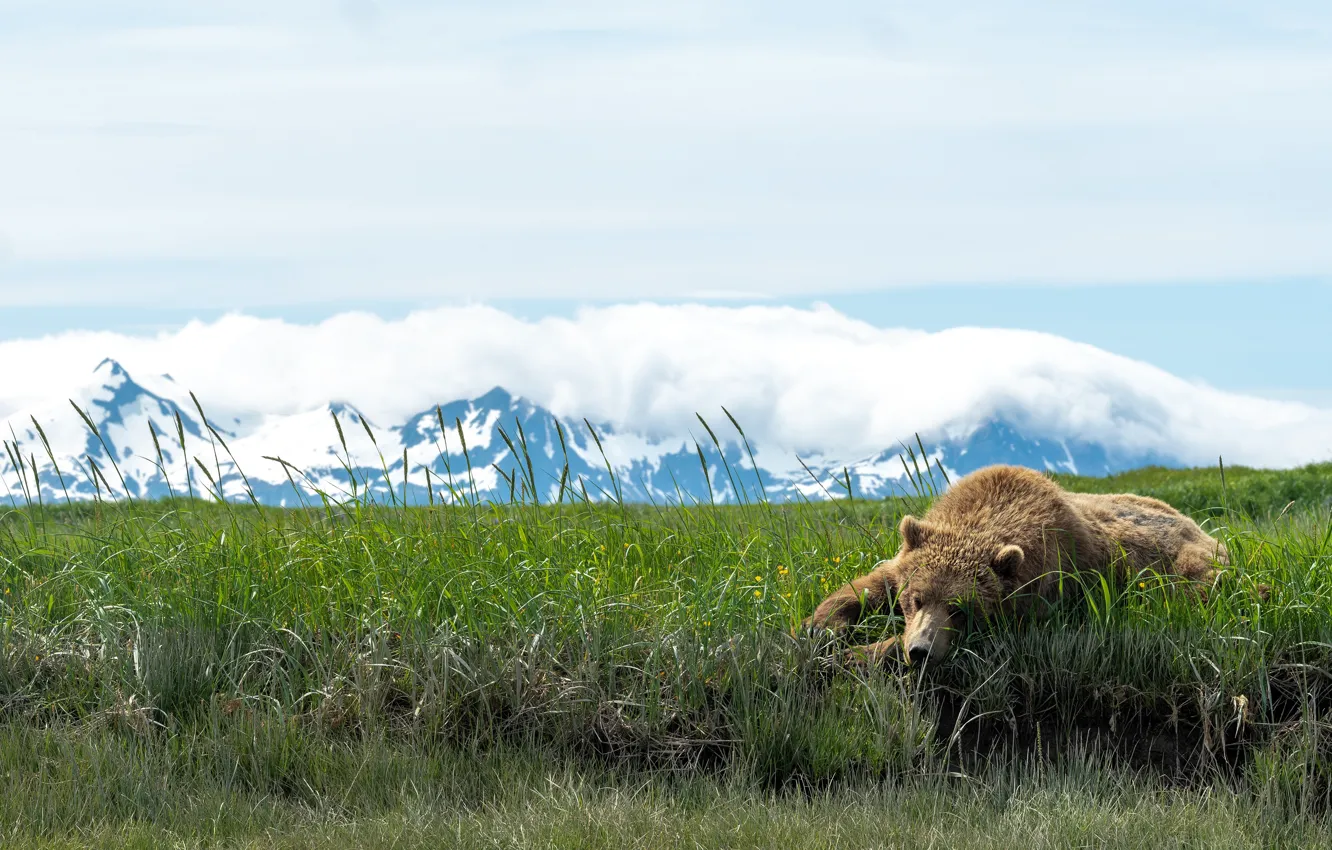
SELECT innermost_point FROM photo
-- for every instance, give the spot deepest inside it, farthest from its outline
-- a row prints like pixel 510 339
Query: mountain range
pixel 149 438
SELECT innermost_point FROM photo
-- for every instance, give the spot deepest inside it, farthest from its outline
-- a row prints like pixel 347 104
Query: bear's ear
pixel 1007 561
pixel 914 532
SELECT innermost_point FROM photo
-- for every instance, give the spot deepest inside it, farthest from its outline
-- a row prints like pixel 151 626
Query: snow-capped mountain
pixel 103 441
pixel 150 439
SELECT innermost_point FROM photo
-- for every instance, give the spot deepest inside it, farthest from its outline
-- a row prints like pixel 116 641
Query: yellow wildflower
pixel 758 594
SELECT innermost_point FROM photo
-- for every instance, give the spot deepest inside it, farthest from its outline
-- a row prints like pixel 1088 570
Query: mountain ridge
pixel 493 447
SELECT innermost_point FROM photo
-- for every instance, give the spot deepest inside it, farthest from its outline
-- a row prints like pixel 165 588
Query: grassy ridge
pixel 1215 491
pixel 471 668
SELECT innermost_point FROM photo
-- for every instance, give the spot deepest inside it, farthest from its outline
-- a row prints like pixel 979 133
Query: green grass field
pixel 190 674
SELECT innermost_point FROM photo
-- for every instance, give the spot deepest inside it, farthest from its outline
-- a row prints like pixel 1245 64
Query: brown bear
pixel 1000 538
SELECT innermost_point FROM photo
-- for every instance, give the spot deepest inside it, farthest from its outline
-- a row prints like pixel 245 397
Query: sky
pixel 1148 177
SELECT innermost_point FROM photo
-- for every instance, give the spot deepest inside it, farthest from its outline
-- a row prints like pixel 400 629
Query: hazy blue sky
pixel 1001 163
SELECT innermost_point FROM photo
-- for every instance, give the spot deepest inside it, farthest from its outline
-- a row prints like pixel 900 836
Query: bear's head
pixel 945 578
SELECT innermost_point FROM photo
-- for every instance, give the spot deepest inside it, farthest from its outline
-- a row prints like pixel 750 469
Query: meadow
pixel 188 673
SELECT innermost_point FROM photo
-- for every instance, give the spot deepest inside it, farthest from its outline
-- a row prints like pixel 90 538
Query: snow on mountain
pixel 120 455
pixel 493 447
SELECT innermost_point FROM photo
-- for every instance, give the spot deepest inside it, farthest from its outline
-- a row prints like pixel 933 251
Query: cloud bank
pixel 796 379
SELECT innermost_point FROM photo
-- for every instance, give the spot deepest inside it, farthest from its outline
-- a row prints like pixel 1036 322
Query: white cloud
pixel 796 379
pixel 192 39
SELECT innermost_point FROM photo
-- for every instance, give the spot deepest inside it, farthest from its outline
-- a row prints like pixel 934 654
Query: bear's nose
pixel 918 654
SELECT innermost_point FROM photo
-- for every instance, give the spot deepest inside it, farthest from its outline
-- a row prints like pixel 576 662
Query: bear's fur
pixel 1000 538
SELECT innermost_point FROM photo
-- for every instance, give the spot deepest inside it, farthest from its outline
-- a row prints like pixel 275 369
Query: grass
pixel 190 673
pixel 1219 490
pixel 373 797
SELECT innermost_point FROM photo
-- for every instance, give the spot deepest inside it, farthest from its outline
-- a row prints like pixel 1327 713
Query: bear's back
pixel 1013 497
pixel 1012 505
